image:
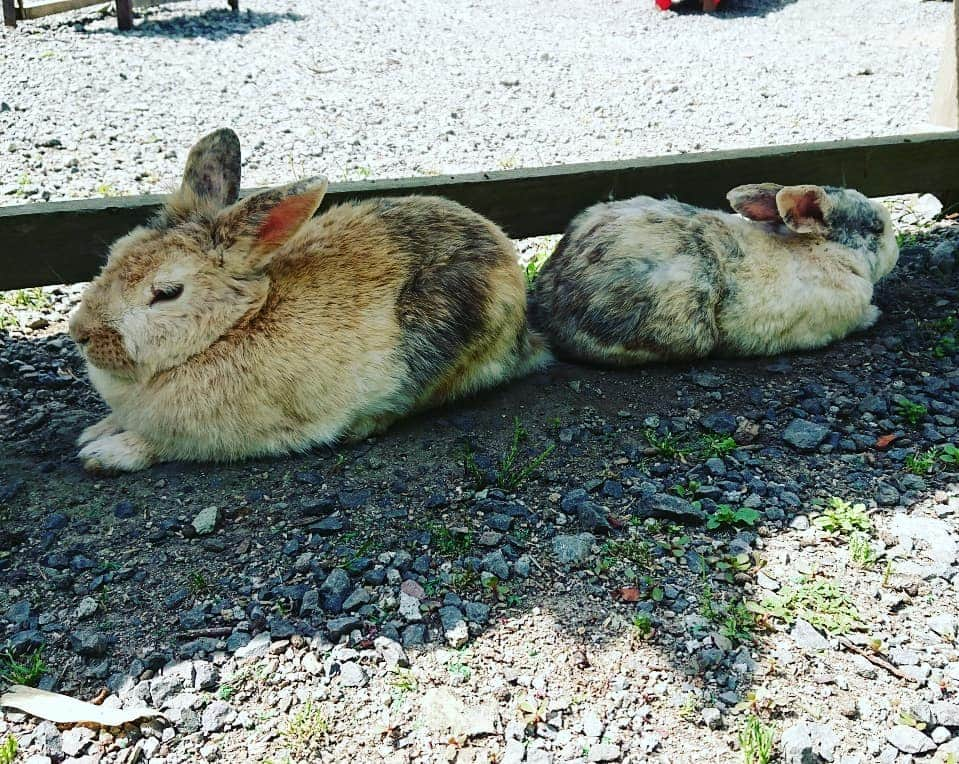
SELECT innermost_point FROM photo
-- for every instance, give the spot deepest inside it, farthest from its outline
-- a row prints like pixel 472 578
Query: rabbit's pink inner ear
pixel 803 208
pixel 756 202
pixel 285 219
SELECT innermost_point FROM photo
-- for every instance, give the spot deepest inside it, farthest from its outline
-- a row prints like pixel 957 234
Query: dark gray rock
pixel 804 435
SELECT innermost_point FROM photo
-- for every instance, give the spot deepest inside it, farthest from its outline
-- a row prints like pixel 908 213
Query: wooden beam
pixel 9 13
pixel 945 97
pixel 124 15
pixel 65 242
pixel 58 6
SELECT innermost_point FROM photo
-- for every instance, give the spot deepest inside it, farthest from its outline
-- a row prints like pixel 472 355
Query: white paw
pixel 869 318
pixel 104 427
pixel 120 452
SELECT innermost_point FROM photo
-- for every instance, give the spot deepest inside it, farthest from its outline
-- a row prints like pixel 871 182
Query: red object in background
pixel 665 5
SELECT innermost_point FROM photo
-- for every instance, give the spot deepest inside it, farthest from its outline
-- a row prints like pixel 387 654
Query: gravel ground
pixel 663 556
pixel 404 88
pixel 585 566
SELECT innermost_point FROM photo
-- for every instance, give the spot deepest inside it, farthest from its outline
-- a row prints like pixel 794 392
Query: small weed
pixel 949 454
pixel 305 730
pixel 821 603
pixel 513 469
pixel 458 668
pixel 727 516
pixel 690 708
pixel 947 343
pixel 843 517
pixel 197 583
pixel 668 446
pixel 535 264
pixel 912 413
pixel 922 462
pixel 107 189
pixel 643 625
pixel 403 683
pixel 452 542
pixel 887 574
pixel 633 551
pixel 717 445
pixel 26 671
pixel 8 750
pixel 739 622
pixel 686 491
pixel 861 551
pixel 756 741
pixel 464 580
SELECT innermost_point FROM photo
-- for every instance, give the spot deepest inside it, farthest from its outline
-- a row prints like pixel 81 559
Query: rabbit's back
pixel 635 281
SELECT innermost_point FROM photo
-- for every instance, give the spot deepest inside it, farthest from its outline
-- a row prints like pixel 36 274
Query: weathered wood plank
pixel 59 6
pixel 124 15
pixel 9 13
pixel 65 242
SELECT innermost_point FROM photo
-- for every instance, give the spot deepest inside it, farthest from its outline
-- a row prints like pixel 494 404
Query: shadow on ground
pixel 214 24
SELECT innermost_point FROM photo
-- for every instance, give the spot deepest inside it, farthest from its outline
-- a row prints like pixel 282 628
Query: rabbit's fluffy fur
pixel 647 280
pixel 226 329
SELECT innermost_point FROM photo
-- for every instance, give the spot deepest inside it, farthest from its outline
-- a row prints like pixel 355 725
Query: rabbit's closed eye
pixel 166 293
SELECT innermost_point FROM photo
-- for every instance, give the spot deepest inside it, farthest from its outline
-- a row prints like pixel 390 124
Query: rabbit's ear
pixel 251 230
pixel 212 174
pixel 756 201
pixel 804 208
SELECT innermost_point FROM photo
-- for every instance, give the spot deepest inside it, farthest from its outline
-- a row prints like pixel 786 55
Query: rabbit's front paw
pixel 869 318
pixel 106 426
pixel 120 452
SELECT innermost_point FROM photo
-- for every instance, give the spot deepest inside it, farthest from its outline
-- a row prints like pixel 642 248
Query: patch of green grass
pixel 669 446
pixel 305 730
pixel 862 554
pixel 756 741
pixel 818 601
pixel 26 670
pixel 912 413
pixel 627 550
pixel 947 343
pixel 922 462
pixel 449 541
pixel 34 299
pixel 717 445
pixel 643 625
pixel 8 750
pixel 843 517
pixel 726 516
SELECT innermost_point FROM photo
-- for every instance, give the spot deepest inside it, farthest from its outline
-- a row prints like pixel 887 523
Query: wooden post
pixel 125 14
pixel 234 4
pixel 9 13
pixel 945 98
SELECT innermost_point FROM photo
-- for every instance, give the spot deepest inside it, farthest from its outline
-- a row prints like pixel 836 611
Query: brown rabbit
pixel 226 329
pixel 647 280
